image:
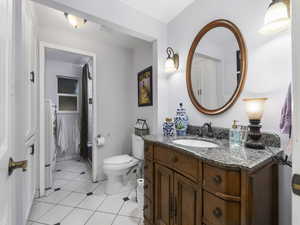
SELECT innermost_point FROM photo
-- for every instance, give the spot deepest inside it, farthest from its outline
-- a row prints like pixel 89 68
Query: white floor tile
pixel 111 204
pixel 66 175
pixel 73 185
pixel 73 199
pixel 125 220
pixel 100 218
pixel 86 187
pixel 91 202
pixel 77 217
pixel 38 209
pixel 130 208
pixel 99 190
pixel 84 177
pixel 55 215
pixel 55 197
pixel 58 183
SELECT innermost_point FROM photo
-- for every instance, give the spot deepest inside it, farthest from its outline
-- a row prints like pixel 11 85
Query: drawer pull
pixel 145 207
pixel 217 179
pixel 217 212
pixel 146 186
pixel 146 167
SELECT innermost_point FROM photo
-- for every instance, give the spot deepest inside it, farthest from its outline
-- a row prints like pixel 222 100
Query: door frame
pixel 42 49
pixel 296 105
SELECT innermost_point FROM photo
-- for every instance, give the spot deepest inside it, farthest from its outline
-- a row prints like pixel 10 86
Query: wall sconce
pixel 172 62
pixel 75 21
pixel 277 17
pixel 255 109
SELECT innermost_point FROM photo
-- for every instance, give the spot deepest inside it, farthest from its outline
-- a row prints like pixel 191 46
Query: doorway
pixel 67 112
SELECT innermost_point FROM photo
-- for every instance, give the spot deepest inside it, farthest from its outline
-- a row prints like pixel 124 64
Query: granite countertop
pixel 243 158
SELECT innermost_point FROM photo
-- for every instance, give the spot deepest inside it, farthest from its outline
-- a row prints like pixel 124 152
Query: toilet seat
pixel 119 162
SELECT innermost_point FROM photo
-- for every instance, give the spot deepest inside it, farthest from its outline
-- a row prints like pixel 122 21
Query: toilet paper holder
pixel 100 140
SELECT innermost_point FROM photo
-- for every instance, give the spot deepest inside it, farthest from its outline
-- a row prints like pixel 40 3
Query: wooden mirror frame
pixel 244 63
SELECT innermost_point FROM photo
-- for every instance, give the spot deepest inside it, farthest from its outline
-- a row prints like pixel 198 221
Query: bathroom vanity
pixel 207 186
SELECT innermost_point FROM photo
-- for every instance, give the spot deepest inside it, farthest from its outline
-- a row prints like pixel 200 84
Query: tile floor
pixel 71 204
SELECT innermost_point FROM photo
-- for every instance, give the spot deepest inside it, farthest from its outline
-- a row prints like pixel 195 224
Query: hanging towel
pixel 68 134
pixel 62 135
pixel 76 135
pixel 286 114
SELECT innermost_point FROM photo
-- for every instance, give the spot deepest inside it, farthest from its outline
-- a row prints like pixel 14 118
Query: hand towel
pixel 286 114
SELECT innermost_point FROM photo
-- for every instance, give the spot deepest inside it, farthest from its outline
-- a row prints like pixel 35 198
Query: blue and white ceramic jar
pixel 181 121
pixel 168 127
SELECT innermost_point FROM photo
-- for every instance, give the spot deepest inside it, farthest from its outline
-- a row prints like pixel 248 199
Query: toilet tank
pixel 137 147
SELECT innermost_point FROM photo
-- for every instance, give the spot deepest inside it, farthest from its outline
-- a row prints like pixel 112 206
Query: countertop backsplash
pixel 269 139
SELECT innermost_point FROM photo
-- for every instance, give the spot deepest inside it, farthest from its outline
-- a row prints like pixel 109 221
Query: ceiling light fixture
pixel 75 21
pixel 172 62
pixel 277 17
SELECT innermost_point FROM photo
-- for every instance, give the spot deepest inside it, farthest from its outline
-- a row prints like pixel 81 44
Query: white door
pixel 6 14
pixel 296 105
pixel 208 83
pixel 29 105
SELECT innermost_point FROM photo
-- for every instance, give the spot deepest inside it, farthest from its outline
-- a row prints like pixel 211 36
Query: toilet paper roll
pixel 140 196
pixel 100 141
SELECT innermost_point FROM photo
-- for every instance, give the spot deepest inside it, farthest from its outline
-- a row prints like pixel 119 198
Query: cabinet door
pixel 188 208
pixel 163 195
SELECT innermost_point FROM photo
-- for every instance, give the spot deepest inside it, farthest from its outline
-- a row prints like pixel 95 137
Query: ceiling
pixel 51 18
pixel 68 57
pixel 162 10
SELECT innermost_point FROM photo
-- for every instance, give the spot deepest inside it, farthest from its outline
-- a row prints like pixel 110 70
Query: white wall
pixel 269 73
pixel 142 58
pixel 130 21
pixel 114 92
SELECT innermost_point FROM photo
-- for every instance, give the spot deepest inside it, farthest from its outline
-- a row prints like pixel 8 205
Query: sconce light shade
pixel 277 18
pixel 172 62
pixel 255 107
pixel 75 21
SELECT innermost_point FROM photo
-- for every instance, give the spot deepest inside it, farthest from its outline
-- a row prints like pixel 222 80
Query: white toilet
pixel 117 168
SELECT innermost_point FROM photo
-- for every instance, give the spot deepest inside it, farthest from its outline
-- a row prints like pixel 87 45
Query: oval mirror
pixel 216 67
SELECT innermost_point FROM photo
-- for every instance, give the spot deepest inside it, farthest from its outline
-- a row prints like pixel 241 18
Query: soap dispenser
pixel 234 135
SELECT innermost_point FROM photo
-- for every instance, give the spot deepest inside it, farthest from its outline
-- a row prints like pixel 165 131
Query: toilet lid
pixel 119 159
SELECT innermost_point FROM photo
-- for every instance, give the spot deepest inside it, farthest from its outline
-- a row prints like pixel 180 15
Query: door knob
pixel 12 165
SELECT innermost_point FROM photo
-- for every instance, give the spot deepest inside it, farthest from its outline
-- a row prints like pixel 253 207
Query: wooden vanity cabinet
pixel 180 189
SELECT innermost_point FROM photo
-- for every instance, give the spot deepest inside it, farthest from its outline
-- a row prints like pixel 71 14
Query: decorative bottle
pixel 168 127
pixel 181 121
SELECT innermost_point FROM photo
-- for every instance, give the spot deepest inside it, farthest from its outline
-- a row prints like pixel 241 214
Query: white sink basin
pixel 195 143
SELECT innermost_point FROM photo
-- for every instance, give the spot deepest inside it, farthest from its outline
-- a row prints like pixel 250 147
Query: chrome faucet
pixel 210 132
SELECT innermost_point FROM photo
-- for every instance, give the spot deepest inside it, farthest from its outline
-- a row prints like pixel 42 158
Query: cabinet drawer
pixel 219 180
pixel 148 210
pixel 186 164
pixel 148 189
pixel 148 151
pixel 219 212
pixel 183 163
pixel 163 155
pixel 148 170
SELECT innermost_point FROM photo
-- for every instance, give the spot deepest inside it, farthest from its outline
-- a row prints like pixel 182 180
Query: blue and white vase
pixel 181 121
pixel 168 127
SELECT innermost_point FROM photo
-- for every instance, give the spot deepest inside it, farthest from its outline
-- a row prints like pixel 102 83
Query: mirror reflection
pixel 215 69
